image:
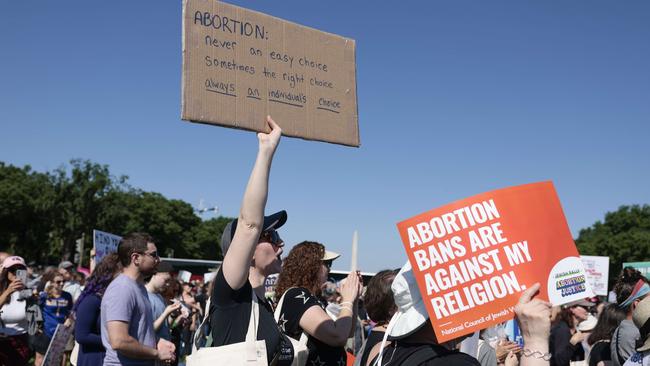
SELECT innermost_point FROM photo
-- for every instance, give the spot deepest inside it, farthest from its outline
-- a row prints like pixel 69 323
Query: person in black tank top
pixel 252 250
pixel 380 307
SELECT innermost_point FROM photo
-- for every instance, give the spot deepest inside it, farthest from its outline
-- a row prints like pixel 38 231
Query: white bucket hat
pixel 411 312
pixel 589 324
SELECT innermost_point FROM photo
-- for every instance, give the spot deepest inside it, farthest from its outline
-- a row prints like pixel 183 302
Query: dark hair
pixel 172 291
pixel 49 276
pixel 132 243
pixel 378 299
pixel 4 280
pixel 608 321
pixel 4 277
pixel 625 283
pixel 566 315
pixel 49 290
pixel 101 277
pixel 301 268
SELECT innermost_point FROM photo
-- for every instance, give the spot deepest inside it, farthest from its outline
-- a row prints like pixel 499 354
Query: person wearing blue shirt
pixel 56 305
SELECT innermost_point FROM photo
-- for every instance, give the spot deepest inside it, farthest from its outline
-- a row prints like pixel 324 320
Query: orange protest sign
pixel 473 257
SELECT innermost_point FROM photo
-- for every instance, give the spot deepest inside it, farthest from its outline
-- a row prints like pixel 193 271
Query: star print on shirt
pixel 303 297
pixel 320 363
pixel 282 321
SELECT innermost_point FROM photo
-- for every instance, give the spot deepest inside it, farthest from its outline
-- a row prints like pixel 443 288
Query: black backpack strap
pixel 621 360
pixel 420 355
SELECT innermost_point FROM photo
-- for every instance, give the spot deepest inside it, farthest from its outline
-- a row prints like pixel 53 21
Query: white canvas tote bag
pixel 251 352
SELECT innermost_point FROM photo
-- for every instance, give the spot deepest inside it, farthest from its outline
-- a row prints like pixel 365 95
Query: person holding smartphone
pixel 14 347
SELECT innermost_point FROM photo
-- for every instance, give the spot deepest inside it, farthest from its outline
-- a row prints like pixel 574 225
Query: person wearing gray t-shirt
pixel 630 288
pixel 126 316
pixel 161 312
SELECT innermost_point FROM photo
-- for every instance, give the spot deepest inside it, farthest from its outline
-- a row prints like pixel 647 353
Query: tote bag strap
pixel 202 330
pixel 278 310
pixel 251 334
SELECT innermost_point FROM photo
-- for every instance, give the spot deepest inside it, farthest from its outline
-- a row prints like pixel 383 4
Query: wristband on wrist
pixel 346 302
pixel 346 307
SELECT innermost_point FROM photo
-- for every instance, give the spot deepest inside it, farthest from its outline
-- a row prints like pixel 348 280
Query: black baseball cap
pixel 274 222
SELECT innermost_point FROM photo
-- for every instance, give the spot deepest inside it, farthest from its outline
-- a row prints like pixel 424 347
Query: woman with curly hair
pixel 88 327
pixel 304 271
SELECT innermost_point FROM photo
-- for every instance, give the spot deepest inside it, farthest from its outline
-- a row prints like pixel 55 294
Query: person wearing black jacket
pixel 565 341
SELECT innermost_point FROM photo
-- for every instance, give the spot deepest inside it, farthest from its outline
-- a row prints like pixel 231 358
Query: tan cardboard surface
pixel 240 65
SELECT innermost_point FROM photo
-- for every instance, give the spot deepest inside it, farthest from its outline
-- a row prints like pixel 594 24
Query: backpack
pixel 415 356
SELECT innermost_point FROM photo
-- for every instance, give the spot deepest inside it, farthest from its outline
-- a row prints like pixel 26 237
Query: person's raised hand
pixel 360 277
pixel 173 307
pixel 533 316
pixel 503 348
pixel 269 141
pixel 350 288
pixel 16 285
pixel 578 337
pixel 511 359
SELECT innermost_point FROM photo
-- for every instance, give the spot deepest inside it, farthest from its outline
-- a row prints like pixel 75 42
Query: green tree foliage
pixel 624 236
pixel 26 205
pixel 42 214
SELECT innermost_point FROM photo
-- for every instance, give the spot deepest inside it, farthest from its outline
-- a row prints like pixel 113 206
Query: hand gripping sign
pixel 473 257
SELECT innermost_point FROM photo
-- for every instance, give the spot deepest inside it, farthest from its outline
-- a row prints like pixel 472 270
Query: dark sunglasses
pixel 58 282
pixel 272 237
pixel 15 268
pixel 328 264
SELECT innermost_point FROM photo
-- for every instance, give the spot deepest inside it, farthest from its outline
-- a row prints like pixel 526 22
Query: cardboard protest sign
pixel 104 243
pixel 240 66
pixel 473 257
pixel 597 269
pixel 57 345
pixel 184 276
pixel 209 276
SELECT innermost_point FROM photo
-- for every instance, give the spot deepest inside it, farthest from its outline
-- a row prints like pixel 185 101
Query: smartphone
pixel 21 274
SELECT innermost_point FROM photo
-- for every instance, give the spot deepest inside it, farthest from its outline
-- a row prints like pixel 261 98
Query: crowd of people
pixel 35 301
pixel 132 310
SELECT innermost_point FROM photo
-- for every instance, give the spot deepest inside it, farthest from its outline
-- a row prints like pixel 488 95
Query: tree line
pixel 43 214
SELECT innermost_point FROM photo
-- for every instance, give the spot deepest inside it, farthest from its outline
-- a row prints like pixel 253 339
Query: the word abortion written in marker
pixel 474 257
pixel 240 66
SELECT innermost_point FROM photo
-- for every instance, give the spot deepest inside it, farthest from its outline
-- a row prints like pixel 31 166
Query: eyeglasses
pixel 272 237
pixel 58 282
pixel 328 264
pixel 15 268
pixel 153 255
